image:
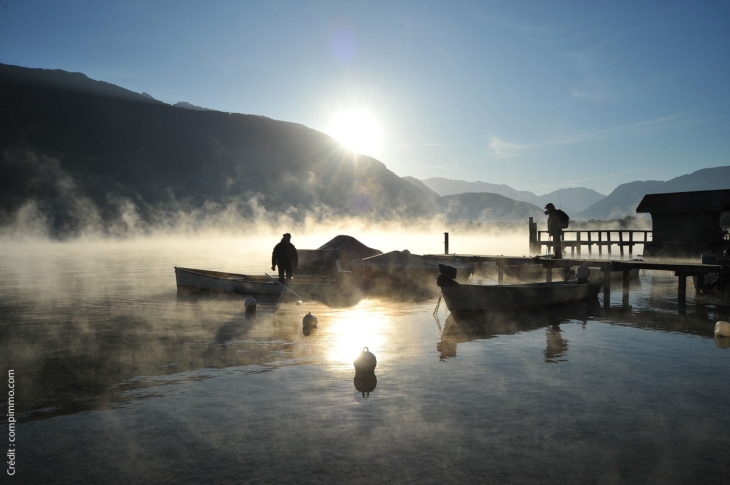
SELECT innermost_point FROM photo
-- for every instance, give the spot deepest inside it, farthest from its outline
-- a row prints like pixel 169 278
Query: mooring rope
pixel 436 313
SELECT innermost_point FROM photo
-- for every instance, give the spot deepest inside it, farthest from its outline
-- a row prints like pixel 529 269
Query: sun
pixel 357 130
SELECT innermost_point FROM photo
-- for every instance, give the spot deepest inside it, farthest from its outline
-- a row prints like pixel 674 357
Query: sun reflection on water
pixel 362 326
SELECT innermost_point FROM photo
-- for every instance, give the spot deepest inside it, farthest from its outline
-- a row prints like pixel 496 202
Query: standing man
pixel 557 221
pixel 286 257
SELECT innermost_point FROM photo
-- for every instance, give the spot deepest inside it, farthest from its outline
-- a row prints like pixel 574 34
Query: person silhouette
pixel 285 257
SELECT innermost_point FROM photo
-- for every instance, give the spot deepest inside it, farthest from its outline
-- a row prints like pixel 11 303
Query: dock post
pixel 534 246
pixel 549 274
pixel 608 240
pixel 606 286
pixel 500 273
pixel 446 243
pixel 625 277
pixel 600 243
pixel 577 235
pixel 572 246
pixel 590 245
pixel 631 244
pixel 682 290
pixel 621 243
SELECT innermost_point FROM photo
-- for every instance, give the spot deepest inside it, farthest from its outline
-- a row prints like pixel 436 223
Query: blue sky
pixel 535 95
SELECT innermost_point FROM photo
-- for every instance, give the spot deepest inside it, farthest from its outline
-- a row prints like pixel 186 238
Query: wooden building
pixel 686 224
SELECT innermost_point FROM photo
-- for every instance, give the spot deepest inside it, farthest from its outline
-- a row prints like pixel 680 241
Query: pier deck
pixel 680 270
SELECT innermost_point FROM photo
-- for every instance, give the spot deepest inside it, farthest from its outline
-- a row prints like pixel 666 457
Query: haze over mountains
pixel 571 199
pixel 586 204
pixel 76 152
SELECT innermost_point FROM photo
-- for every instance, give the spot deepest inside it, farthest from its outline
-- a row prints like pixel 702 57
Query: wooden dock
pixel 576 241
pixel 680 270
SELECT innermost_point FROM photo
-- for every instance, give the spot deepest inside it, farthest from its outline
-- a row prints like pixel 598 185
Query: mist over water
pixel 119 380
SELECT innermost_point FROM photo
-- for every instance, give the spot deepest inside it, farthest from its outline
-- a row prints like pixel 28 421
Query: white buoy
pixel 722 329
pixel 299 302
pixel 309 320
pixel 250 304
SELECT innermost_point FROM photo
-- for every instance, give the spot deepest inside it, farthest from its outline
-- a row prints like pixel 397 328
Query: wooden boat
pixel 307 286
pixel 471 299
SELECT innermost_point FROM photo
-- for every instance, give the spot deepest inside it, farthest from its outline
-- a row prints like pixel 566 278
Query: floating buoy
pixel 250 304
pixel 365 362
pixel 722 329
pixel 309 320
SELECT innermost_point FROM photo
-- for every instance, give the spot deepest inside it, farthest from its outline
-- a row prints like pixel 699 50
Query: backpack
pixel 563 219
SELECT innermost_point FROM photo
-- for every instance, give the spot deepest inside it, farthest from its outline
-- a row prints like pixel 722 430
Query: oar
pixel 285 287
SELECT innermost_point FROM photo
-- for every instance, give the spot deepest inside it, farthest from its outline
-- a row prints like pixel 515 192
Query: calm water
pixel 120 381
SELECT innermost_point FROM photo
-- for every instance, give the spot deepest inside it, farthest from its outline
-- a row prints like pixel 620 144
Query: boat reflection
pixel 460 329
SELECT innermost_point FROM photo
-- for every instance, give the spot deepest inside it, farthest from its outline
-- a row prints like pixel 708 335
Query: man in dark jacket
pixel 286 257
pixel 555 229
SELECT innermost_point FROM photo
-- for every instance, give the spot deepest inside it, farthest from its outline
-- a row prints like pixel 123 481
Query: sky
pixel 538 95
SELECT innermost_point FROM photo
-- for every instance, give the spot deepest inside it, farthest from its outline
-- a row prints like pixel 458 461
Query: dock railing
pixel 601 238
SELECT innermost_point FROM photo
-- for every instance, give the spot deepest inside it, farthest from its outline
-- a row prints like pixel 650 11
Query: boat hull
pixel 198 280
pixel 471 299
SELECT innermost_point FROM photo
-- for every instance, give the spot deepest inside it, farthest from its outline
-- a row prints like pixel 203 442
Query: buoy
pixel 722 329
pixel 250 304
pixel 299 302
pixel 309 320
pixel 365 362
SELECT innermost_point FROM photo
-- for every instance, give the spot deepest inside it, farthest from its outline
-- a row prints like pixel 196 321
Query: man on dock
pixel 285 256
pixel 557 221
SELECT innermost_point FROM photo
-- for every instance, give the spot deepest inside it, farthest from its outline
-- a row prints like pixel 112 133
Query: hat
pixel 550 206
pixel 287 235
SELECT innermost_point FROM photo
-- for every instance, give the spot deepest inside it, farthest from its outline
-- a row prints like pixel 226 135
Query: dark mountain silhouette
pixel 571 199
pixel 624 199
pixel 186 105
pixel 73 145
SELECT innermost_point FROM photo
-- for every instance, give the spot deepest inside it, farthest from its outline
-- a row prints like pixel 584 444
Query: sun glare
pixel 357 130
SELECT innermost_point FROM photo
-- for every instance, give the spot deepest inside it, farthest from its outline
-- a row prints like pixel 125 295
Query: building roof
pixel 700 201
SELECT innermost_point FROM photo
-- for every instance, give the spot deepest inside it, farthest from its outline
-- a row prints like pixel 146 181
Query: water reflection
pixel 556 346
pixel 365 383
pixel 466 329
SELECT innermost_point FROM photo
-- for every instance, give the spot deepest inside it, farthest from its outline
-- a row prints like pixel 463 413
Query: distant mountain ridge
pixel 624 199
pixel 75 152
pixel 572 200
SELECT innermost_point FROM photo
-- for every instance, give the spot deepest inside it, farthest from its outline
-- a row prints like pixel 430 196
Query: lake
pixel 119 380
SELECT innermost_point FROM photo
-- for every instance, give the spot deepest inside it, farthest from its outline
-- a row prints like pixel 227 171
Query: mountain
pixel 80 150
pixel 421 186
pixel 487 207
pixel 572 200
pixel 624 199
pixel 186 105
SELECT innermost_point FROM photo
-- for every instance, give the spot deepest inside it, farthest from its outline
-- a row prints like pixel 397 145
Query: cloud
pixel 504 149
pixel 675 121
